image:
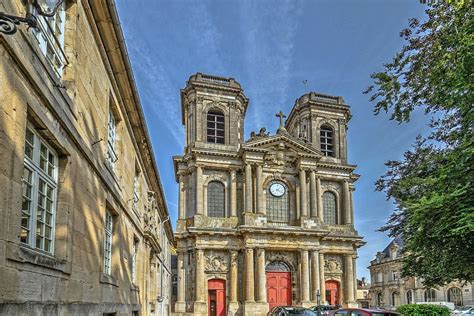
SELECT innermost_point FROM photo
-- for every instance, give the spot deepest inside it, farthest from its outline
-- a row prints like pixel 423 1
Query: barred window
pixel 455 296
pixel 215 199
pixel 215 127
pixel 50 37
pixel 108 243
pixel 430 295
pixel 326 138
pixel 278 207
pixel 39 184
pixel 329 208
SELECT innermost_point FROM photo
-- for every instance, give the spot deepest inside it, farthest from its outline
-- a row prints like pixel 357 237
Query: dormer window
pixel 326 138
pixel 215 127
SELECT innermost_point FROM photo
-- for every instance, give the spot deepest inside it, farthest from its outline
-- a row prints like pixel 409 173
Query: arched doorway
pixel 216 297
pixel 278 284
pixel 333 292
pixel 455 296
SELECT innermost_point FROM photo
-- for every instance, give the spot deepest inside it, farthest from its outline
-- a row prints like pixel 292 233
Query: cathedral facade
pixel 265 221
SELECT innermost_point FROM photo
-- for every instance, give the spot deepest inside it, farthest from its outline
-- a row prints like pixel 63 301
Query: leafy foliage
pixel 423 310
pixel 432 186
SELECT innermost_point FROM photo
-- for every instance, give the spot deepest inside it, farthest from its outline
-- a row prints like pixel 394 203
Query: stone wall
pixel 71 113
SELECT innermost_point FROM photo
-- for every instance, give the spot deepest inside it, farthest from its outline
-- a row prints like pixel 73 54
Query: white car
pixel 464 311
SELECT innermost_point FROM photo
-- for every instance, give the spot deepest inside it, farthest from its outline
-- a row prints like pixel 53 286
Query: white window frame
pixel 136 189
pixel 108 239
pixel 134 260
pixel 38 174
pixel 50 37
pixel 111 139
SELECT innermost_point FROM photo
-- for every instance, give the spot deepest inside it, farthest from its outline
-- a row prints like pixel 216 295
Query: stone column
pixel 319 199
pixel 347 203
pixel 234 256
pixel 248 189
pixel 249 276
pixel 261 277
pixel 352 205
pixel 303 200
pixel 181 299
pixel 199 191
pixel 200 286
pixel 259 185
pixel 349 277
pixel 354 277
pixel 182 198
pixel 315 279
pixel 314 206
pixel 233 193
pixel 322 282
pixel 304 276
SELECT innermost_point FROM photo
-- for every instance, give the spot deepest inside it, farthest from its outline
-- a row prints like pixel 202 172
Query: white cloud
pixel 269 38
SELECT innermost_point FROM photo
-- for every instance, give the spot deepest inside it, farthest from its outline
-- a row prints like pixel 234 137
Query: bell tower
pixel 321 120
pixel 213 110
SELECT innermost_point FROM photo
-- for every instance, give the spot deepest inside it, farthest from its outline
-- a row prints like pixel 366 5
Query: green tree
pixel 432 186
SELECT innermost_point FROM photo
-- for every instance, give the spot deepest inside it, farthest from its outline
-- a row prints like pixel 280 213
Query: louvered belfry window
pixel 326 138
pixel 215 127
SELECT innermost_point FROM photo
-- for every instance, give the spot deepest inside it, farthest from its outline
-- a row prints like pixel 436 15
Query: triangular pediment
pixel 283 141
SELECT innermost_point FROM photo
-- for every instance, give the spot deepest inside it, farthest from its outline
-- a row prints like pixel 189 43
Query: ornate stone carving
pixel 216 264
pixel 333 264
pixel 261 134
pixel 234 258
pixel 289 258
pixel 333 186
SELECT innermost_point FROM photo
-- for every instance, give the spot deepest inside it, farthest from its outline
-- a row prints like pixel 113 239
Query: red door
pixel 216 297
pixel 332 292
pixel 278 288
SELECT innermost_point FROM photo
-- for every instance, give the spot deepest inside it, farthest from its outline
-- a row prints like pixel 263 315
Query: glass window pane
pixel 215 126
pixel 329 208
pixel 215 199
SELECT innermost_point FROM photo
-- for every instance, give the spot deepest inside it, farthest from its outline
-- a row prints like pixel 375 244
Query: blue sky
pixel 270 47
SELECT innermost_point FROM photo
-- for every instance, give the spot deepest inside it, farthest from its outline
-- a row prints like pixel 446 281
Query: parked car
pixel 290 310
pixel 464 311
pixel 363 312
pixel 324 309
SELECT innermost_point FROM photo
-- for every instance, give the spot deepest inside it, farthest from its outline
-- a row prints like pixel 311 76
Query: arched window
pixel 395 299
pixel 326 138
pixel 278 202
pixel 329 208
pixel 455 296
pixel 410 297
pixel 379 299
pixel 277 266
pixel 430 295
pixel 215 127
pixel 215 199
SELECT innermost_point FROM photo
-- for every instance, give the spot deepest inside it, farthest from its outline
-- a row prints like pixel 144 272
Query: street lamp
pixel 318 300
pixel 47 8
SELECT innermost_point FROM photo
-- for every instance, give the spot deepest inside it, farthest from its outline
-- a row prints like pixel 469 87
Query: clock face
pixel 277 189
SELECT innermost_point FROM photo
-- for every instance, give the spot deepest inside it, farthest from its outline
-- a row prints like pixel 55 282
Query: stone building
pixel 84 228
pixel 388 289
pixel 265 221
pixel 363 293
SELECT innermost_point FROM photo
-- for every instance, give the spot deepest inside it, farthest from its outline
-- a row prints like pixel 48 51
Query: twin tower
pixel 264 221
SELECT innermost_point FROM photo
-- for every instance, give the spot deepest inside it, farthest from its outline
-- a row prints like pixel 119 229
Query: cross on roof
pixel 281 116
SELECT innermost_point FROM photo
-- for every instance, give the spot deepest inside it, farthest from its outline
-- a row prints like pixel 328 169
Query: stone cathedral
pixel 264 221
